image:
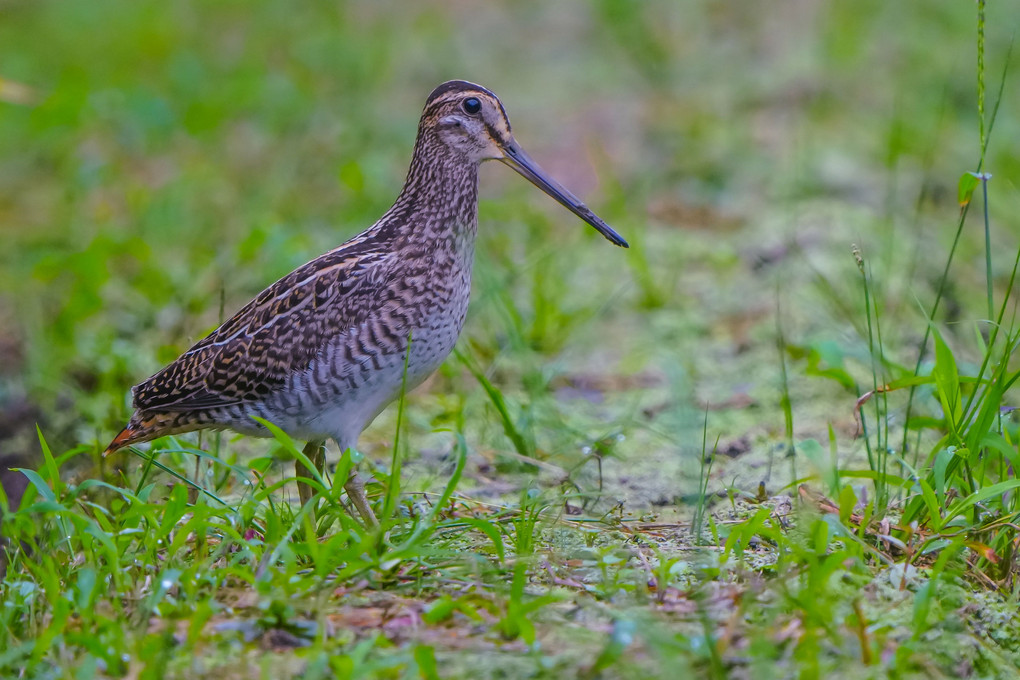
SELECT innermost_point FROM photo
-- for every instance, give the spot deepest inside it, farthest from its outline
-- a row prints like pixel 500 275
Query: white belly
pixel 345 388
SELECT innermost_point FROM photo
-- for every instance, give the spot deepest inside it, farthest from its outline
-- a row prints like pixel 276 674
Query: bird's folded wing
pixel 273 337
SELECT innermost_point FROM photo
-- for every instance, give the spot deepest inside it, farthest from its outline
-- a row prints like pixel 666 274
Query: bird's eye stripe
pixel 471 105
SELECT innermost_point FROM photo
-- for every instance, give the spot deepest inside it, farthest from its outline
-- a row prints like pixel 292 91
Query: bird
pixel 321 352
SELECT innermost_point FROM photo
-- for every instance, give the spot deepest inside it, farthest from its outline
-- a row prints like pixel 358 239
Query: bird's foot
pixel 315 451
pixel 356 492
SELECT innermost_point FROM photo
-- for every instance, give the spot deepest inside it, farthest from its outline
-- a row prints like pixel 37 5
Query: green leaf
pixel 51 465
pixel 522 444
pixel 961 452
pixel 984 494
pixel 997 442
pixel 847 501
pixel 106 542
pixel 968 183
pixel 90 483
pixel 940 467
pixel 150 459
pixel 43 508
pixel 86 587
pixel 824 359
pixel 490 530
pixel 451 485
pixel 947 382
pixel 440 610
pixel 922 606
pixel 426 658
pixel 887 478
pixel 39 483
pixel 932 504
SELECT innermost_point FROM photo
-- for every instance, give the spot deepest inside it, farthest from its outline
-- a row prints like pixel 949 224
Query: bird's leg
pixel 356 491
pixel 316 452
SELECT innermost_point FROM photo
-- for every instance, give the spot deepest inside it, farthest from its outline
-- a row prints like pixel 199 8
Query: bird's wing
pixel 274 336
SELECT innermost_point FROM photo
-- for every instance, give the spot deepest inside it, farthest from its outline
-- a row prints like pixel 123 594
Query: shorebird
pixel 321 352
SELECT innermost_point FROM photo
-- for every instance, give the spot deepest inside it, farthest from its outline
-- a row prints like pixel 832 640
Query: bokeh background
pixel 161 162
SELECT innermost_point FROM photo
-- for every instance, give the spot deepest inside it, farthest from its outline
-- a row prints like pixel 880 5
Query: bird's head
pixel 469 119
pixel 472 122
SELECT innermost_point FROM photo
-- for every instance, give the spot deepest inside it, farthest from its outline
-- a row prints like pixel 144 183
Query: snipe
pixel 321 352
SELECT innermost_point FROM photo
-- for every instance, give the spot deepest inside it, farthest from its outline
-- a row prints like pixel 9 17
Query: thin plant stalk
pixel 785 401
pixel 876 459
pixel 707 460
pixel 944 278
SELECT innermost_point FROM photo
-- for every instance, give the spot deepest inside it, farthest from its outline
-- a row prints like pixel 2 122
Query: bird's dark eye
pixel 471 106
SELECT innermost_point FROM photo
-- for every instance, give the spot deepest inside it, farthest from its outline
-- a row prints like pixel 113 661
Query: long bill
pixel 529 169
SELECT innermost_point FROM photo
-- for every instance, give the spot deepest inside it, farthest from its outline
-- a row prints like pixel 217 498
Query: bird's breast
pixel 416 319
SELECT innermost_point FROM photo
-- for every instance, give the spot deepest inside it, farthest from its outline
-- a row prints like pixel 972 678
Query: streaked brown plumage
pixel 321 352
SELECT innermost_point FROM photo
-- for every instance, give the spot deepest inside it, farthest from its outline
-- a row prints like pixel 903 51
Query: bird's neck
pixel 439 200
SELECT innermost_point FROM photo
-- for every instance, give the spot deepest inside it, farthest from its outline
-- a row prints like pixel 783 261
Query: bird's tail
pixel 126 437
pixel 143 428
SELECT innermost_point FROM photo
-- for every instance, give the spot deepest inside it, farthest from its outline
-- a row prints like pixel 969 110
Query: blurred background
pixel 162 162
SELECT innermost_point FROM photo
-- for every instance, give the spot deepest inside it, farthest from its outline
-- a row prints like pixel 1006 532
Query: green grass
pixel 774 439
